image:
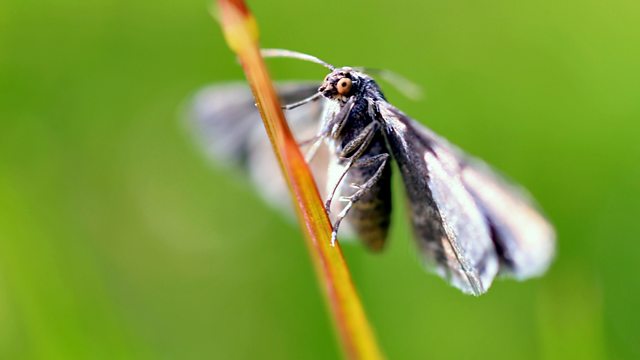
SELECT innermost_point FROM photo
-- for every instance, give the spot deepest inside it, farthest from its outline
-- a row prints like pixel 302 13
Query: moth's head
pixel 341 84
pixel 345 82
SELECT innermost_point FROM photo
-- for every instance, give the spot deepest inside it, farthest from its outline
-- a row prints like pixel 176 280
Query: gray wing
pixel 524 238
pixel 225 121
pixel 469 222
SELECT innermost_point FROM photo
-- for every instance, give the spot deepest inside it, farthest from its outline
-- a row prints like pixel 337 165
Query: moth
pixel 470 224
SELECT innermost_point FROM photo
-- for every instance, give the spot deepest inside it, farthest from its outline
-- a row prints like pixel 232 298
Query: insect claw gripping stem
pixel 336 225
pixel 327 206
pixel 334 237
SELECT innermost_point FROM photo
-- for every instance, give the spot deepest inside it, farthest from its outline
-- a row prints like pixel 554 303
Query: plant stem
pixel 356 337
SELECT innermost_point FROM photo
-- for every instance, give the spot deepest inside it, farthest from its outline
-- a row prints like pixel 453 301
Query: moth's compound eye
pixel 344 86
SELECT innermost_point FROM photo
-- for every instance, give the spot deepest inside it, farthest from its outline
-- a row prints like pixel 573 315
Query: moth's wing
pixel 225 118
pixel 226 122
pixel 450 227
pixel 524 238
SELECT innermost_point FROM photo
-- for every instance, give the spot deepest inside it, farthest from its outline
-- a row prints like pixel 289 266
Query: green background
pixel 118 239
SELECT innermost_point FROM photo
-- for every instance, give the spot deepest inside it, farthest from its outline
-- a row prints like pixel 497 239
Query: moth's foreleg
pixel 351 152
pixel 294 105
pixel 330 128
pixel 380 161
pixel 315 143
pixel 334 126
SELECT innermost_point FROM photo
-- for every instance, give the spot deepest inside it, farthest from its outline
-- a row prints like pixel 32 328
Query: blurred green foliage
pixel 119 240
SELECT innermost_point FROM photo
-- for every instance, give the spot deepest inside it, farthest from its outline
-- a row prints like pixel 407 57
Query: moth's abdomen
pixel 370 215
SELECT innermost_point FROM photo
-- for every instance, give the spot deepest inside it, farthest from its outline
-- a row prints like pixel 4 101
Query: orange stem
pixel 357 338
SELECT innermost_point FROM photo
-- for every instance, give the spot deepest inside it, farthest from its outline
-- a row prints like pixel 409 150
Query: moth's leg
pixel 381 161
pixel 335 125
pixel 309 141
pixel 294 105
pixel 330 128
pixel 315 142
pixel 356 147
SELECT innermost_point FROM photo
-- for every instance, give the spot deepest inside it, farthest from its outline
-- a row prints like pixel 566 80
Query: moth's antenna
pixel 407 87
pixel 271 53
